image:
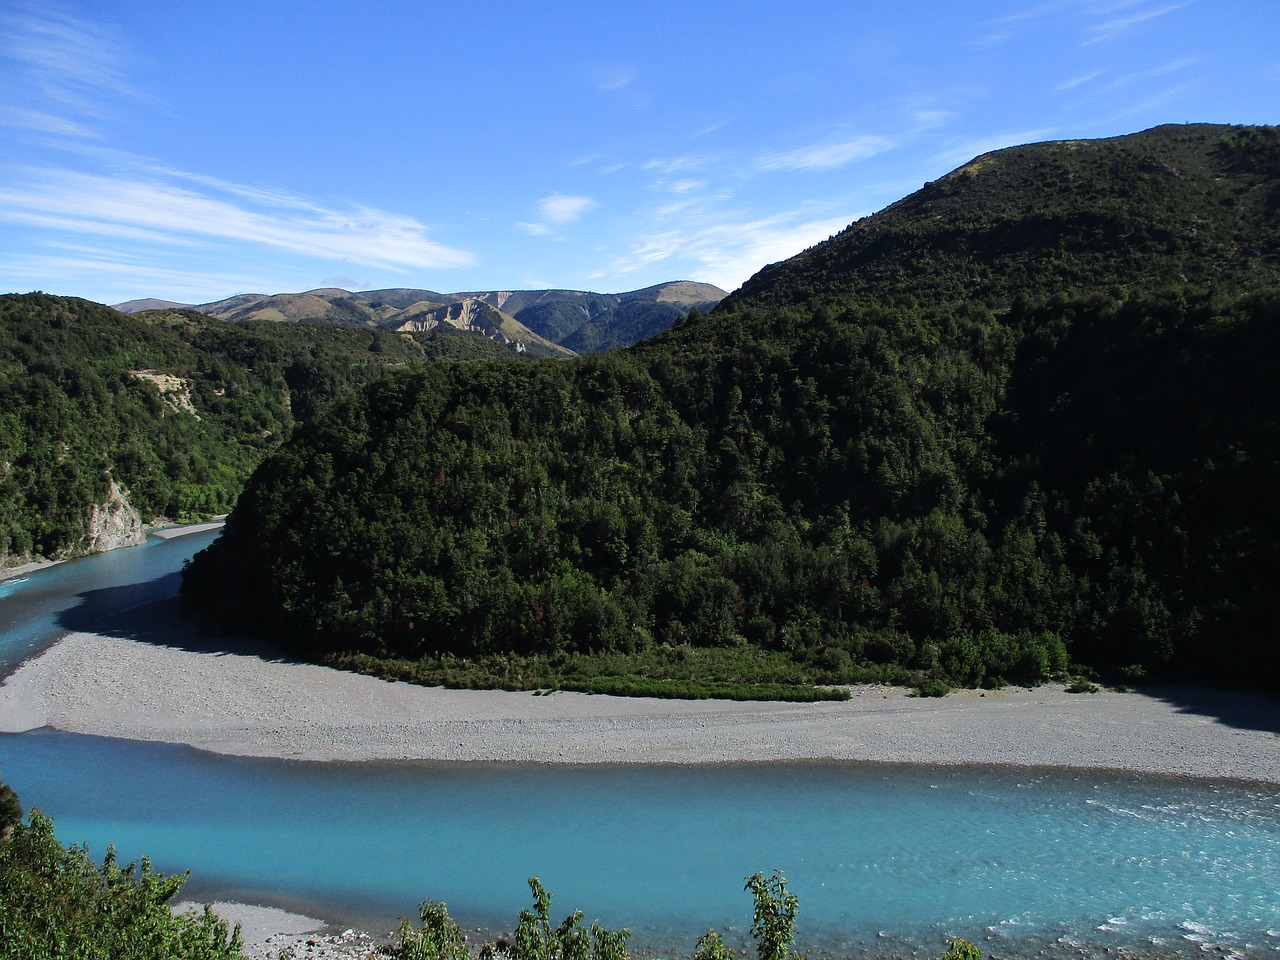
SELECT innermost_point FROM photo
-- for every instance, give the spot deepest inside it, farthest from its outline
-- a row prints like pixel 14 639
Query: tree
pixel 10 811
pixel 773 924
pixel 56 904
pixel 439 938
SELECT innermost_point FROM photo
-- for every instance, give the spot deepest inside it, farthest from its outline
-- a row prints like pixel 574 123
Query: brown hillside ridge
pixel 475 316
pixel 579 321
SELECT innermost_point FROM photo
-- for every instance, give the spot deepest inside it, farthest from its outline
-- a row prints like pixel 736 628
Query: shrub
pixel 933 687
pixel 773 924
pixel 1082 684
pixel 711 947
pixel 55 904
pixel 961 949
pixel 439 938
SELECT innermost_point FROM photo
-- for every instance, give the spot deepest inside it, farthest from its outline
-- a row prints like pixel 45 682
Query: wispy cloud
pixel 561 208
pixel 685 186
pixel 115 270
pixel 1079 81
pixel 731 250
pixel 556 210
pixel 163 210
pixel 535 229
pixel 922 120
pixel 826 156
pixel 1115 27
pixel 615 78
pixel 41 122
pixel 1100 20
pixel 1138 93
pixel 993 39
pixel 960 152
pixel 1143 76
pixel 688 161
pixel 70 63
pixel 1035 12
pixel 1001 30
pixel 344 282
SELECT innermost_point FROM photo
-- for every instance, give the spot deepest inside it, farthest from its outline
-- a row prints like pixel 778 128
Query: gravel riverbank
pixel 158 679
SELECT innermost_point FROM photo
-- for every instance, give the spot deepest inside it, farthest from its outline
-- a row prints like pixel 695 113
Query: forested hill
pixel 108 421
pixel 864 481
pixel 1188 204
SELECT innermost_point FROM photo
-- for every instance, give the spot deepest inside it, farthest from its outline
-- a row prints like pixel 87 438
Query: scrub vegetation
pixel 58 904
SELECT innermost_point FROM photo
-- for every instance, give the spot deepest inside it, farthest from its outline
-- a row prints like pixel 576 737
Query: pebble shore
pixel 240 697
pixel 266 931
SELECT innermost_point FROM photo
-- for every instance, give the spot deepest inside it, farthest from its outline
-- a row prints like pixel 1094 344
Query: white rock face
pixel 114 523
pixel 175 391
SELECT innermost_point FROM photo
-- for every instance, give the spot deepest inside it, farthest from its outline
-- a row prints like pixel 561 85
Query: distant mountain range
pixel 540 322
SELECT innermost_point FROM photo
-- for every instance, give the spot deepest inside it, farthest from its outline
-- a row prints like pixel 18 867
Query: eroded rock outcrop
pixel 114 523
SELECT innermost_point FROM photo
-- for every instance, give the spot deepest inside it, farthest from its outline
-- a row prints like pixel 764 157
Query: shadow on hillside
pixel 1233 708
pixel 151 613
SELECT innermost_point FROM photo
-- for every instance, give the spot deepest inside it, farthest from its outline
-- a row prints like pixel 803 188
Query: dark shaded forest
pixel 870 494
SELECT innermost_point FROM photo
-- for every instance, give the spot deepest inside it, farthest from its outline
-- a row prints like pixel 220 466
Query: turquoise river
pixel 885 860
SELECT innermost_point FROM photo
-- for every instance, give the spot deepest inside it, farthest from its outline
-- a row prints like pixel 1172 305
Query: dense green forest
pixel 85 404
pixel 1070 462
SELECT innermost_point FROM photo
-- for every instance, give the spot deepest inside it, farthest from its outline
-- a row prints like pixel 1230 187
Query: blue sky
pixel 195 150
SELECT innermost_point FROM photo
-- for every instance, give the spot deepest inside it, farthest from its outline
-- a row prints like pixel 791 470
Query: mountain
pixel 475 316
pixel 593 322
pixel 111 420
pixel 150 303
pixel 1023 422
pixel 541 322
pixel 1187 204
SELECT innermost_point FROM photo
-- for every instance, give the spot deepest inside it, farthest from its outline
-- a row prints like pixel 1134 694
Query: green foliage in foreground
pixel 773 921
pixel 961 949
pixel 773 928
pixel 536 937
pixel 57 904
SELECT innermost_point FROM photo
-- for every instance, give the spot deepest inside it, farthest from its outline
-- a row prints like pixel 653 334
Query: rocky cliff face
pixel 113 524
pixel 471 315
